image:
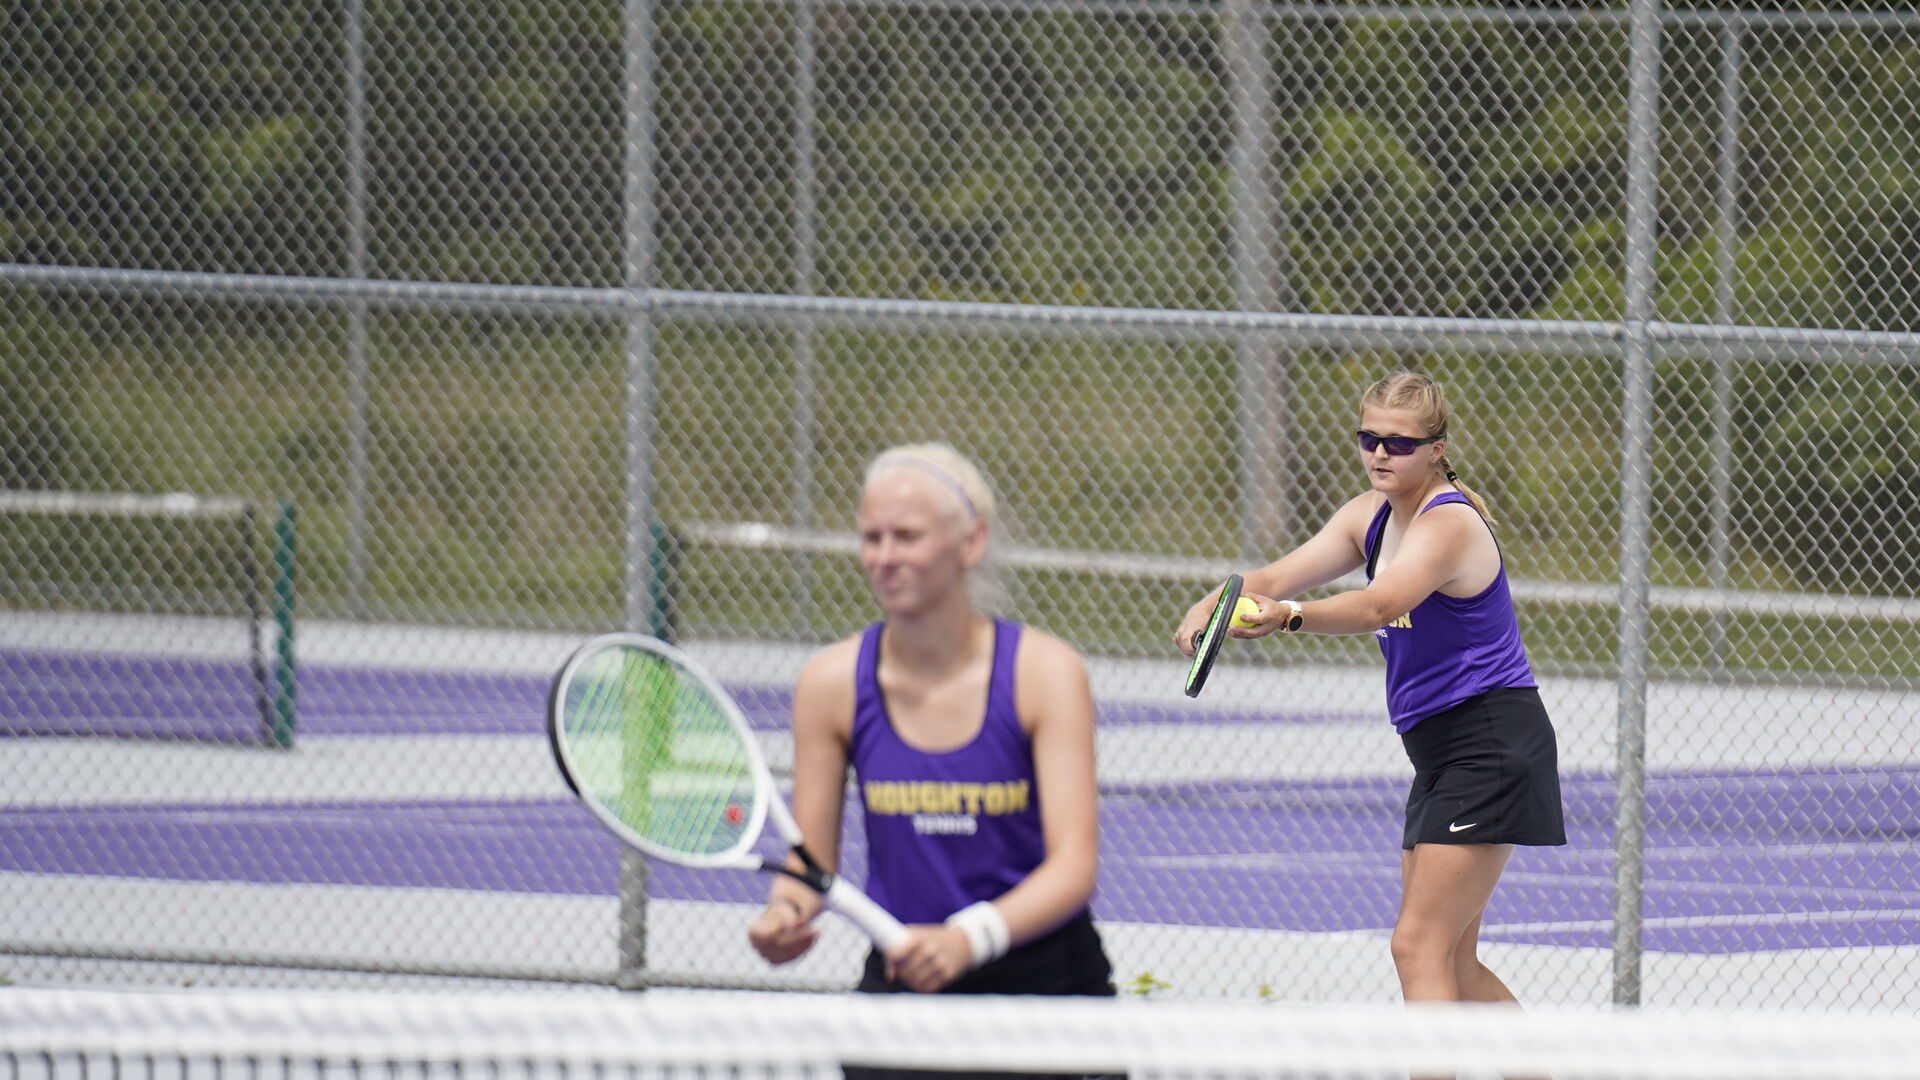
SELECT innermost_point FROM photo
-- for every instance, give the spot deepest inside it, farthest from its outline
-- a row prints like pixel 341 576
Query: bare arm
pixel 1337 549
pixel 822 729
pixel 1053 691
pixel 1430 556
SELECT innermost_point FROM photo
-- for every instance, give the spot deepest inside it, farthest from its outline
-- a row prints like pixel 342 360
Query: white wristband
pixel 988 935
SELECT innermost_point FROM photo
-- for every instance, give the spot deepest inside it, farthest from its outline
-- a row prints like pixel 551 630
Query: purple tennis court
pixel 1738 859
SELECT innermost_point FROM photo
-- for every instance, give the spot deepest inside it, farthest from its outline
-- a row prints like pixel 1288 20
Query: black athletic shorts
pixel 1069 961
pixel 1486 771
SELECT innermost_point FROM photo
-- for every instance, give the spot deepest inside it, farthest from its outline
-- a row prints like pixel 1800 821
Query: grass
pixel 495 492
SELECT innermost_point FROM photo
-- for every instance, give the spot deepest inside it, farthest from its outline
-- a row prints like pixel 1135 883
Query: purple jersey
pixel 1448 649
pixel 945 828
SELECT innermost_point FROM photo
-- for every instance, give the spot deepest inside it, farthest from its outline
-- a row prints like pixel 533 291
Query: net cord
pixel 1073 1035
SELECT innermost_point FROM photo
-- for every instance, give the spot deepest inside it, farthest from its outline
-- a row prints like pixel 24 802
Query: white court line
pixel 105 772
pixel 579 933
pixel 1760 779
pixel 1546 878
pixel 1271 860
pixel 1255 860
pixel 1847 847
pixel 1738 889
pixel 1698 922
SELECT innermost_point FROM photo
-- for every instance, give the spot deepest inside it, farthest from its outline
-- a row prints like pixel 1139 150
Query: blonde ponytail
pixel 1474 497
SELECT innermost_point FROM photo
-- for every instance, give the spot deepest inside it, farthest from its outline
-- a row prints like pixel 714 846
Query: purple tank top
pixel 946 828
pixel 1448 648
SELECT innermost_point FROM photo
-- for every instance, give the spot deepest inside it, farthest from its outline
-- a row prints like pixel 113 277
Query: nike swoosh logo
pixel 1462 828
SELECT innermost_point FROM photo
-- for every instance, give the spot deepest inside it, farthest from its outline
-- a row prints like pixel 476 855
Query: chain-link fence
pixel 557 317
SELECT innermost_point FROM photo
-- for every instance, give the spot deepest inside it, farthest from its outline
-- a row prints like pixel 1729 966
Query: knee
pixel 1416 948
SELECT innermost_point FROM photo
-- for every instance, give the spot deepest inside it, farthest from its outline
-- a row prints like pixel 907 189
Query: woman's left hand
pixel 1269 618
pixel 930 958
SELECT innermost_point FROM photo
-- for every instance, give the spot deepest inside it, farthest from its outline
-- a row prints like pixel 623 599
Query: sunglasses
pixel 1397 445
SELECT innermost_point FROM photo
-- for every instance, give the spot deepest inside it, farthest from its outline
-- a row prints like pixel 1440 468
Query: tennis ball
pixel 1245 610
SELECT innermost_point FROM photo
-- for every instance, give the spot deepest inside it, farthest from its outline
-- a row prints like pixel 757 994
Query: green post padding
pixel 285 559
pixel 666 562
pixel 257 644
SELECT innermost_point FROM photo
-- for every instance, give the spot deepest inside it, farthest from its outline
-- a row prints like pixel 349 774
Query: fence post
pixel 286 561
pixel 1636 482
pixel 804 216
pixel 1725 312
pixel 1259 284
pixel 638 602
pixel 358 433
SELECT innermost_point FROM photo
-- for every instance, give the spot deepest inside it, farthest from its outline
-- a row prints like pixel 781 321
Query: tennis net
pixel 47 1034
pixel 150 616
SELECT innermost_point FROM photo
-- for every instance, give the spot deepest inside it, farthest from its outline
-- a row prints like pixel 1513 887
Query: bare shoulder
pixel 830 663
pixel 1050 680
pixel 1454 531
pixel 1362 506
pixel 1453 520
pixel 1353 517
pixel 1044 656
pixel 823 692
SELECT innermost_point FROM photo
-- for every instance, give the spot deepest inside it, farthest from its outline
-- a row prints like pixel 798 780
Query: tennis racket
pixel 1206 644
pixel 662 756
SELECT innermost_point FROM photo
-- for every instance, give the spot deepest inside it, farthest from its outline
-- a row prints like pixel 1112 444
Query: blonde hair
pixel 971 498
pixel 1410 391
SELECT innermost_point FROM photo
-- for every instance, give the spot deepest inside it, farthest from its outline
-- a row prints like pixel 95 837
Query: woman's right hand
pixel 1191 626
pixel 781 933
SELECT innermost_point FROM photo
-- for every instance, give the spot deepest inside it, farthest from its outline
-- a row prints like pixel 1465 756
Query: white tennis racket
pixel 663 757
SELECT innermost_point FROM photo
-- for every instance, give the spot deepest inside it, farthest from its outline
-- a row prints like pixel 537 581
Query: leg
pixel 1476 981
pixel 1444 888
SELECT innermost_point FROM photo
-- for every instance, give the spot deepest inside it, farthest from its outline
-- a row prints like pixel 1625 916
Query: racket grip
pixel 885 930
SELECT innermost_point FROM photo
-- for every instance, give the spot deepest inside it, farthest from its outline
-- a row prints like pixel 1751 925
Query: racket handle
pixel 885 930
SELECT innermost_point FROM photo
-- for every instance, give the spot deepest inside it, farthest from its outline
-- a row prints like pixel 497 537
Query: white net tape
pixel 780 1034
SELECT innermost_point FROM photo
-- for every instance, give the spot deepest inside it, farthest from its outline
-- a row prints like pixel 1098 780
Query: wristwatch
pixel 1294 620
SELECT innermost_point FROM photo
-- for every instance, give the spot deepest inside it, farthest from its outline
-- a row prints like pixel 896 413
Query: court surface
pixel 421 779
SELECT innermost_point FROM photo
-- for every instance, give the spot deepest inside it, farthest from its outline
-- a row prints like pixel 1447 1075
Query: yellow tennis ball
pixel 1245 610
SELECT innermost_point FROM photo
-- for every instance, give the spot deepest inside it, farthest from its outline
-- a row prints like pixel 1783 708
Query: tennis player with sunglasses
pixel 1460 690
pixel 971 741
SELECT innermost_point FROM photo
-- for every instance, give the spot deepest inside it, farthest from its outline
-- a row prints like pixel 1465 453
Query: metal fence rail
pixel 532 308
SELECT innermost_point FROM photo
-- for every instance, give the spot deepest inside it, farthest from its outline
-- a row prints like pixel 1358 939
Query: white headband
pixel 938 473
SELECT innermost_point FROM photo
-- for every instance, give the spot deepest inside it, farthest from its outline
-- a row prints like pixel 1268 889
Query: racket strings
pixel 671 764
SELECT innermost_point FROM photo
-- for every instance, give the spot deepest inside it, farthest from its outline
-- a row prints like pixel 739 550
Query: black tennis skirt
pixel 1486 771
pixel 1069 961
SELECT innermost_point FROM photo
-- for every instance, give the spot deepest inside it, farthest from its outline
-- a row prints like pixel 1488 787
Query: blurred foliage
pixel 1428 167
pixel 1425 166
